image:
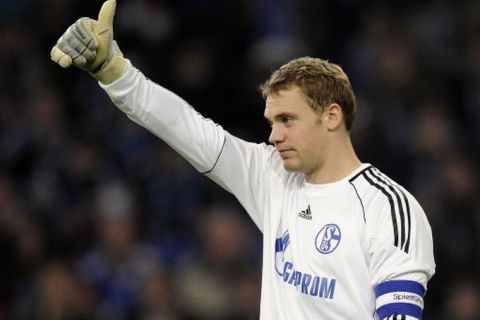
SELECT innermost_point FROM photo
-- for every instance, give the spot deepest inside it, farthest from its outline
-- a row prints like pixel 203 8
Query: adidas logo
pixel 306 214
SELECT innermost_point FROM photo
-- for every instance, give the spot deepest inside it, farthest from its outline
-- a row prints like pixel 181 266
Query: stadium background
pixel 100 220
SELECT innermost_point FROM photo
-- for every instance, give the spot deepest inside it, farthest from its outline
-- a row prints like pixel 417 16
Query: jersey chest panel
pixel 320 255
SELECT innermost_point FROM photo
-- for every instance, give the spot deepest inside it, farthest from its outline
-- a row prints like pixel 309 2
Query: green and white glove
pixel 88 44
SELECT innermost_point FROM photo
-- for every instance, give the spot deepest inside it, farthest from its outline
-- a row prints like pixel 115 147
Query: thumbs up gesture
pixel 88 44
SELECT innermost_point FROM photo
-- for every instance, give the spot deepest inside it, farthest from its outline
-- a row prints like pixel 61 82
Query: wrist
pixel 111 70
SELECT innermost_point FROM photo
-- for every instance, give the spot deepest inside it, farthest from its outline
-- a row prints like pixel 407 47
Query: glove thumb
pixel 103 30
pixel 105 17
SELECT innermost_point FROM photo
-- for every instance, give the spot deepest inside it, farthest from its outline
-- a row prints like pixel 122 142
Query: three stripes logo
pixel 399 205
pixel 306 214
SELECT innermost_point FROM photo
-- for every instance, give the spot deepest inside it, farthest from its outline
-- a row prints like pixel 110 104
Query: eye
pixel 287 120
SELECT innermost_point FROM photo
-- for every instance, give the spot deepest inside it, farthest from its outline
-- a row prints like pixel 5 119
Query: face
pixel 299 133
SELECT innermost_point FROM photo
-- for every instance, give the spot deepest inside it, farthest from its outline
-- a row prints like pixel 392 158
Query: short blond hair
pixel 321 82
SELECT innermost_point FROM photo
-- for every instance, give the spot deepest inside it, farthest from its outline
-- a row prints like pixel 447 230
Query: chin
pixel 291 166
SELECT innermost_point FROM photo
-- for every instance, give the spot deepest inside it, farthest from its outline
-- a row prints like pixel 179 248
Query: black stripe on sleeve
pixel 359 174
pixel 390 200
pixel 398 203
pixel 219 154
pixel 409 218
pixel 407 207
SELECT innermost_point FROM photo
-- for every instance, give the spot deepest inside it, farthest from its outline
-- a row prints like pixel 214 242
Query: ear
pixel 334 116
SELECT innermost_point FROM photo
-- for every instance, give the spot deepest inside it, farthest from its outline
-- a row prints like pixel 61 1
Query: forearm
pixel 169 117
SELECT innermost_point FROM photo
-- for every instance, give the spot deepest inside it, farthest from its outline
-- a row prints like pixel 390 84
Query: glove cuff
pixel 112 70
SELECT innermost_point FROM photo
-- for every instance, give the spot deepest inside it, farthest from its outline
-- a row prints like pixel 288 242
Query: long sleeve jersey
pixel 358 248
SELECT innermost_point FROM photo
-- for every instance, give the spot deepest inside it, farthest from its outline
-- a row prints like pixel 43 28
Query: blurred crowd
pixel 100 220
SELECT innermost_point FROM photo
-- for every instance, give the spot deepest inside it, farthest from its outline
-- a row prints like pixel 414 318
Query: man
pixel 341 239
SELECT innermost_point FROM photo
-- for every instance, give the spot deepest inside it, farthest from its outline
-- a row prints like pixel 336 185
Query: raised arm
pixel 236 165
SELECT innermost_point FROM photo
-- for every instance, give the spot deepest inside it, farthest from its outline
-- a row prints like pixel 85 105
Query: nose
pixel 276 135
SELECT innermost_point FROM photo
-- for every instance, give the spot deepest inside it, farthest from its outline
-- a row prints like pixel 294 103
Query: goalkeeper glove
pixel 88 44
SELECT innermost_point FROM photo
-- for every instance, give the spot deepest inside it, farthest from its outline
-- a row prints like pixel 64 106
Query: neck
pixel 340 161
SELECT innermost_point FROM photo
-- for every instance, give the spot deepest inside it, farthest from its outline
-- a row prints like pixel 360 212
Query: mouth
pixel 284 153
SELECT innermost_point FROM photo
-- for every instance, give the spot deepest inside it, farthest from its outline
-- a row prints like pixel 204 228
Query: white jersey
pixel 358 248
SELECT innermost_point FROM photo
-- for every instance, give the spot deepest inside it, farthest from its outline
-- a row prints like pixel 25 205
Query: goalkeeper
pixel 341 240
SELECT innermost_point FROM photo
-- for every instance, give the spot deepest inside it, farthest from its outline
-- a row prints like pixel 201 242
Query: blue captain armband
pixel 399 297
